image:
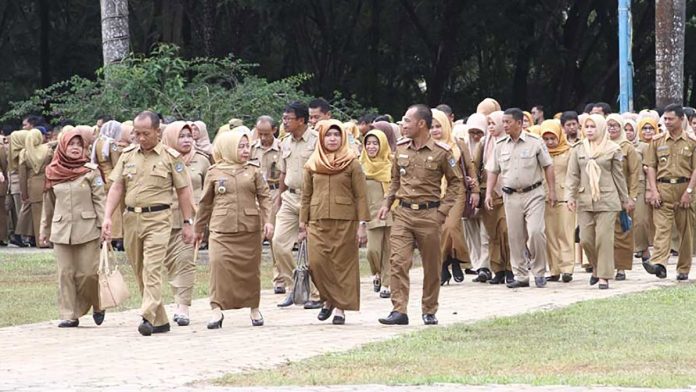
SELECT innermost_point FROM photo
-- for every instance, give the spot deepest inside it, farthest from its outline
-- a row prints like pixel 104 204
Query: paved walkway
pixel 115 357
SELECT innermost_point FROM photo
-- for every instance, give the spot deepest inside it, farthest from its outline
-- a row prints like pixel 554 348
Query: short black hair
pixel 367 118
pixel 105 118
pixel 690 112
pixel 299 109
pixel 35 119
pixel 606 109
pixel 382 117
pixel 569 115
pixel 321 104
pixel 516 113
pixel 588 108
pixel 152 116
pixel 538 107
pixel 423 112
pixel 66 121
pixel 443 107
pixel 676 108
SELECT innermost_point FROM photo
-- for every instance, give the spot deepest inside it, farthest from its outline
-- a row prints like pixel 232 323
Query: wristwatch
pixel 689 190
pixel 188 221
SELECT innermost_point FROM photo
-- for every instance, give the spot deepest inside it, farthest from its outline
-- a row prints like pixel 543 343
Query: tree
pixel 115 36
pixel 670 17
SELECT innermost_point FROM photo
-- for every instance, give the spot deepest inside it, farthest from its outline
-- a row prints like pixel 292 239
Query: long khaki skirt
pixel 334 263
pixel 235 269
pixel 78 280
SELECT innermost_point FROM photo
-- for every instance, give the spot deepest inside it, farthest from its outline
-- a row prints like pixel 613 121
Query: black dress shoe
pixel 3 243
pixel 660 271
pixel 499 278
pixel 604 286
pixel 376 284
pixel 553 278
pixel 470 271
pixel 395 318
pixel 484 275
pixel 325 313
pixel 338 320
pixel 17 241
pixel 457 273
pixel 649 267
pixel 620 275
pixel 69 324
pixel 182 320
pixel 216 324
pixel 589 269
pixel 117 245
pixel 257 322
pixel 161 328
pixel 145 328
pixel 385 293
pixel 673 252
pixel 31 242
pixel 566 278
pixel 312 305
pixel 593 280
pixel 98 317
pixel 429 319
pixel 682 276
pixel 509 277
pixel 540 281
pixel 279 290
pixel 445 275
pixel 517 284
pixel 286 302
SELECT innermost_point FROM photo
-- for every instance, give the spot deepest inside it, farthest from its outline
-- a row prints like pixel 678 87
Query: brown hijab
pixel 63 168
pixel 325 162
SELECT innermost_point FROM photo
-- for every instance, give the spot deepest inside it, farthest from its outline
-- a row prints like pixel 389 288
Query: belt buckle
pixel 415 207
pixel 137 209
pixel 519 190
pixel 673 180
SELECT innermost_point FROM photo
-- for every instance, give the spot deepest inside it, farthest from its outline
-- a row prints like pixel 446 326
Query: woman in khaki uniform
pixel 113 138
pixel 4 187
pixel 376 163
pixel 632 165
pixel 179 259
pixel 19 215
pixel 236 205
pixel 334 199
pixel 596 189
pixel 32 165
pixel 644 229
pixel 560 223
pixel 201 138
pixel 73 208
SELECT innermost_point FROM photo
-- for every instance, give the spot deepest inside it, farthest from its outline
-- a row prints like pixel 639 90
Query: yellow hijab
pixel 17 142
pixel 447 136
pixel 324 162
pixel 35 150
pixel 622 135
pixel 641 123
pixel 529 117
pixel 535 130
pixel 378 168
pixel 226 149
pixel 554 127
pixel 595 149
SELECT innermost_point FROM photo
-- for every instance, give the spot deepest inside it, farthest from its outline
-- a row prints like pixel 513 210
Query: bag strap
pixel 106 251
pixel 302 254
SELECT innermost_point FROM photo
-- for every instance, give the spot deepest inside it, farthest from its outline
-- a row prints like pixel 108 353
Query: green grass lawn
pixel 639 340
pixel 29 285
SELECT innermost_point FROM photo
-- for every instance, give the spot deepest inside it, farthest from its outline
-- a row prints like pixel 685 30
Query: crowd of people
pixel 507 196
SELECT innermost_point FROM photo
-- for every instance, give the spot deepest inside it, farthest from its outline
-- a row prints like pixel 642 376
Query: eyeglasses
pixel 614 126
pixel 289 118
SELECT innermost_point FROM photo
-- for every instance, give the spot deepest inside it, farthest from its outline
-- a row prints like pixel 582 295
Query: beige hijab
pixel 18 140
pixel 620 120
pixel 488 106
pixel 447 136
pixel 203 141
pixel 226 149
pixel 596 148
pixel 325 162
pixel 35 150
pixel 170 138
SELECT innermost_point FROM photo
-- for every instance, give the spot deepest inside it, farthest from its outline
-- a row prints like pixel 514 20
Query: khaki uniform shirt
pixel 560 168
pixel 269 160
pixel 149 176
pixel 417 174
pixel 612 184
pixel 671 157
pixel 641 149
pixel 234 200
pixel 631 168
pixel 31 183
pixel 4 155
pixel 375 198
pixel 106 164
pixel 520 164
pixel 197 169
pixel 339 196
pixel 73 211
pixel 296 152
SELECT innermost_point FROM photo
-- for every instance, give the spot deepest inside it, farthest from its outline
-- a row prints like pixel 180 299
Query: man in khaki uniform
pixel 671 163
pixel 147 172
pixel 296 149
pixel 4 188
pixel 319 110
pixel 520 158
pixel 266 152
pixel 419 165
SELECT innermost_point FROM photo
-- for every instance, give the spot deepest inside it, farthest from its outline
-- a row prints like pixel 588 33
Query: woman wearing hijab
pixel 644 229
pixel 488 106
pixel 388 131
pixel 527 121
pixel 73 208
pixel 334 200
pixel 32 165
pixel 376 163
pixel 452 244
pixel 560 223
pixel 632 166
pixel 494 220
pixel 179 262
pixel 236 206
pixel 596 189
pixel 19 215
pixel 200 136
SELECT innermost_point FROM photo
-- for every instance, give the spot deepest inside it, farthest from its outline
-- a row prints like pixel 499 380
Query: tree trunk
pixel 669 51
pixel 115 34
pixel 45 57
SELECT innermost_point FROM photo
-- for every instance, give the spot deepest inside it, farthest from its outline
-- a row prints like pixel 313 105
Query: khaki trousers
pixel 524 213
pixel 284 238
pixel 180 267
pixel 665 217
pixel 146 236
pixel 3 219
pixel 419 227
pixel 378 252
pixel 78 281
pixel 560 241
pixel 623 246
pixel 597 240
pixel 643 227
pixel 495 226
pixel 477 242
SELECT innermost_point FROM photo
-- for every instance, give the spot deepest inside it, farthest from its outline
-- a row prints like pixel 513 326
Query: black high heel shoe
pixel 499 278
pixel 457 272
pixel 445 275
pixel 255 322
pixel 216 324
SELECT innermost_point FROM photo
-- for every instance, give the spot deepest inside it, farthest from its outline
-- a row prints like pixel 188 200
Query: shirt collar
pixel 682 135
pixel 430 144
pixel 157 149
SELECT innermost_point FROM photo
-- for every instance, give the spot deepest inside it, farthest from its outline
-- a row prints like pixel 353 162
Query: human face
pixel 492 129
pixel 693 123
pixel 571 129
pixel 291 123
pixel 476 135
pixel 75 148
pixel 364 128
pixel 185 142
pixel 26 125
pixel 537 114
pixel 551 140
pixel 410 123
pixel 265 132
pixel 525 123
pixel 597 110
pixel 648 132
pixel 145 134
pixel 614 129
pixel 436 130
pixel 510 125
pixel 332 140
pixel 316 115
pixel 672 122
pixel 630 132
pixel 372 146
pixel 243 149
pixel 100 122
pixel 195 132
pixel 590 130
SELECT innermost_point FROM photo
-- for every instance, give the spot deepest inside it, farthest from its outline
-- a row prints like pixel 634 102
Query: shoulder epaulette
pixel 173 152
pixel 130 148
pixel 254 163
pixel 659 135
pixel 403 140
pixel 502 139
pixel 201 152
pixel 442 145
pixel 91 165
pixel 534 135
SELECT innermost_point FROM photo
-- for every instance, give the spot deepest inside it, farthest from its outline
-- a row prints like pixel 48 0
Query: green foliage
pixel 210 89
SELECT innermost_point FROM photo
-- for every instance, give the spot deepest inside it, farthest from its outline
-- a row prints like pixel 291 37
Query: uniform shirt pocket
pixel 251 211
pixel 219 211
pixel 431 165
pixel 504 160
pixel 343 200
pixel 57 218
pixel 88 215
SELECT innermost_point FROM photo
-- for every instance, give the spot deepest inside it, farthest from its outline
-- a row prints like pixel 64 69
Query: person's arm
pixel 471 177
pixel 454 193
pixel 307 191
pixel 49 201
pixel 205 206
pixel 572 181
pixel 359 188
pixel 492 171
pixel 185 196
pixel 263 197
pixel 620 181
pixel 650 161
pixel 393 188
pixel 98 196
pixel 551 182
pixel 23 178
pixel 112 200
pixel 634 166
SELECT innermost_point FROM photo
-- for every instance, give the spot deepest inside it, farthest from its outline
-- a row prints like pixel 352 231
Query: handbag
pixel 112 287
pixel 626 221
pixel 300 291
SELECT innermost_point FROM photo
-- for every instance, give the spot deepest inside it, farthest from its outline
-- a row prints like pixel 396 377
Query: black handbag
pixel 300 291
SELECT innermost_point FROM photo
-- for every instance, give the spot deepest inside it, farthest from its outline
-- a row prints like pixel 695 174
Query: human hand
pixel 106 230
pixel 268 231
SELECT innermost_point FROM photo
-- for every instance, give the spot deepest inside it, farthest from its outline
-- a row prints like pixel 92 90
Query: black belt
pixel 678 180
pixel 419 206
pixel 294 191
pixel 160 207
pixel 510 191
pixel 272 186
